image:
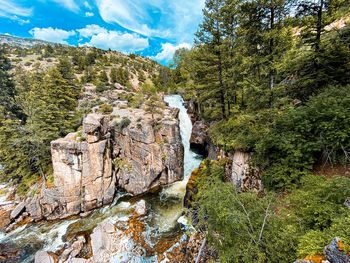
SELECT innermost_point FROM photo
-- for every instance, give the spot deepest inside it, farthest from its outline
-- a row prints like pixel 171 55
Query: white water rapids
pixel 165 208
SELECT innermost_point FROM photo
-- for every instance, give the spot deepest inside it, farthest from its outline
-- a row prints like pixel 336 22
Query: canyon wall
pixel 129 150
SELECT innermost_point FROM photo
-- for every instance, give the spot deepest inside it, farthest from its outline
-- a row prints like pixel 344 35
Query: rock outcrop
pixel 335 252
pixel 242 174
pixel 239 169
pixel 128 149
pixel 199 137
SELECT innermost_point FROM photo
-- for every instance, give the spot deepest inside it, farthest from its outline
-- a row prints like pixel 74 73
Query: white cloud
pixel 161 18
pixel 52 34
pixel 20 20
pixel 115 40
pixel 91 30
pixel 168 51
pixel 13 11
pixel 69 4
pixel 89 14
pixel 87 5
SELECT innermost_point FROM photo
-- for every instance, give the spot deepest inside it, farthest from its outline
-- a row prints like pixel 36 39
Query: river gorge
pixel 157 223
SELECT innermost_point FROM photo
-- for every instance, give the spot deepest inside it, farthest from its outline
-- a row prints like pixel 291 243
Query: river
pixel 165 208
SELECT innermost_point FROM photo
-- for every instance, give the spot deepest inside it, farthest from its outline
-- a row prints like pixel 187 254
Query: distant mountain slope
pixel 22 42
pixel 91 66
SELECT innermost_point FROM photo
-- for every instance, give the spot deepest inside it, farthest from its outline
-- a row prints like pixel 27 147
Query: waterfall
pixel 165 209
pixel 192 159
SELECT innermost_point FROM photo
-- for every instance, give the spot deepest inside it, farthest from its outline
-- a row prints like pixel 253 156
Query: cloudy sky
pixel 154 28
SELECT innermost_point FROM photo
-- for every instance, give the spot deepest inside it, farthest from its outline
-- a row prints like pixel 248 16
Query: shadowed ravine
pixel 164 209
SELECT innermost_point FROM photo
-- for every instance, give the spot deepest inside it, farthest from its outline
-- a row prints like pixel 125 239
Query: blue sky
pixel 154 28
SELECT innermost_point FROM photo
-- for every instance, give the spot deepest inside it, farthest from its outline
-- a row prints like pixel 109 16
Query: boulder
pixel 19 209
pixel 44 257
pixel 114 244
pixel 34 208
pixel 335 252
pixel 73 250
pixel 140 208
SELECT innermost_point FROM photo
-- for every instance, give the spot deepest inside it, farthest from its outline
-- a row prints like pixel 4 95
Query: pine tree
pixel 49 102
pixel 263 40
pixel 113 76
pixel 103 77
pixel 122 76
pixel 209 42
pixel 7 89
pixel 315 15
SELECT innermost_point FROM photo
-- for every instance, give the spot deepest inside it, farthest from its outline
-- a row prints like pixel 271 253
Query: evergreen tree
pixel 103 77
pixel 315 16
pixel 49 102
pixel 113 76
pixel 122 76
pixel 7 89
pixel 209 42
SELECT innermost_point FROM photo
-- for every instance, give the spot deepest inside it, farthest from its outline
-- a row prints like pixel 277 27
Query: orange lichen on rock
pixel 341 245
pixel 4 218
pixel 136 229
pixel 315 258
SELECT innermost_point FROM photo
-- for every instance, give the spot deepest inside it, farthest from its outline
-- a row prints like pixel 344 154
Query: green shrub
pixel 297 225
pixel 288 142
pixel 105 108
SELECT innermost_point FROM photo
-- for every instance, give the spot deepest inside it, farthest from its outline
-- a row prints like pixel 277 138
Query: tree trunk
pixel 319 27
pixel 271 47
pixel 222 90
pixel 228 106
pixel 201 250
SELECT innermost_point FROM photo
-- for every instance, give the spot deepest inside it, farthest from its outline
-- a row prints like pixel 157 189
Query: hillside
pixel 21 42
pixel 65 83
pixel 88 63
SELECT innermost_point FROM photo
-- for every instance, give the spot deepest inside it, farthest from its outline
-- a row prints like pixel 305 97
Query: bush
pixel 289 142
pixel 297 225
pixel 105 108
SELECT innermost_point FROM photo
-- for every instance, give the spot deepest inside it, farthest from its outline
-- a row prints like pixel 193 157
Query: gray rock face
pixel 73 250
pixel 34 208
pixel 239 169
pixel 148 155
pixel 128 149
pixel 141 208
pixel 243 175
pixel 199 136
pixel 43 257
pixel 82 174
pixel 113 244
pixel 334 252
pixel 19 209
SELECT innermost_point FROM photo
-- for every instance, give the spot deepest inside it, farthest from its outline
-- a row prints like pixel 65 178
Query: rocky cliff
pixel 238 168
pixel 128 149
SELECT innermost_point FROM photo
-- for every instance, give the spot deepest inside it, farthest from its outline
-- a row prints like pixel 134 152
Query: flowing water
pixel 165 208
